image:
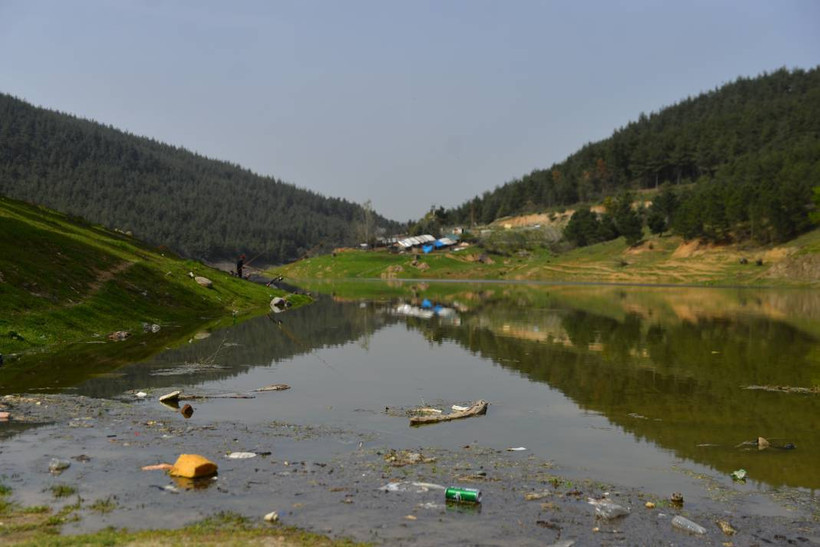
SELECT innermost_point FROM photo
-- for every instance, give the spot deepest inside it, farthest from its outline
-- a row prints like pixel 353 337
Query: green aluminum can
pixel 463 495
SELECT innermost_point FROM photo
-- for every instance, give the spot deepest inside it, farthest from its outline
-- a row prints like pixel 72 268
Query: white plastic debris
pixel 241 455
pixel 57 465
pixel 608 510
pixel 683 523
pixel 407 486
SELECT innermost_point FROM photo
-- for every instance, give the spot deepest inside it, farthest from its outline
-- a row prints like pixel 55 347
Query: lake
pixel 660 389
pixel 611 381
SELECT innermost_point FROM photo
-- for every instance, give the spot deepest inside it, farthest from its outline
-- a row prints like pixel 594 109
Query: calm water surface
pixel 639 386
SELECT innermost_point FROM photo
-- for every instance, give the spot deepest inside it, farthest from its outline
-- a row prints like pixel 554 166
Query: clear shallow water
pixel 613 383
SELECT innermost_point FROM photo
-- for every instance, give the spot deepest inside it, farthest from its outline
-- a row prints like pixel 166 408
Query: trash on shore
pixel 414 487
pixel 273 387
pixel 241 455
pixel 762 444
pixel 426 411
pixel 279 304
pixel 607 509
pixel 141 394
pixel 517 449
pixel 187 411
pixel 193 466
pixel 459 408
pixel 272 517
pixel 739 475
pixel 683 523
pixel 119 335
pixel 460 494
pixel 170 397
pixel 173 398
pixel 725 527
pixel 405 457
pixel 58 465
pixel 649 505
pixel 204 282
pixel 476 409
pixel 533 496
pixel 158 467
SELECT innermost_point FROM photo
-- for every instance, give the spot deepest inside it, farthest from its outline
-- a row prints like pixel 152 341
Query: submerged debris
pixel 607 509
pixel 413 487
pixel 274 387
pixel 187 411
pixel 170 397
pixel 57 465
pixel 683 523
pixel 726 528
pixel 476 409
pixel 677 499
pixel 405 457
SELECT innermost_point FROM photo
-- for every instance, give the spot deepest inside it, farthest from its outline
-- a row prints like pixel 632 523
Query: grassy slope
pixel 658 260
pixel 64 281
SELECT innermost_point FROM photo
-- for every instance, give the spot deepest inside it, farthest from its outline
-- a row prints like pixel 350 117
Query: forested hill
pixel 165 195
pixel 757 138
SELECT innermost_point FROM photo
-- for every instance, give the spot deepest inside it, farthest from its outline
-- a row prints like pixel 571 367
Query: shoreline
pixel 332 481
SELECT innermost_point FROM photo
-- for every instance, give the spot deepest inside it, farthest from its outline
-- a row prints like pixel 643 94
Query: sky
pixel 409 104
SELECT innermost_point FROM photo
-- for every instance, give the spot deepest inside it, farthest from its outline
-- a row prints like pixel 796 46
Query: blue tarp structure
pixel 426 304
pixel 439 244
pixel 426 248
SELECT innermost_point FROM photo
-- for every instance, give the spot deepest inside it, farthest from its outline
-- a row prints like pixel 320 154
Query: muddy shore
pixel 335 482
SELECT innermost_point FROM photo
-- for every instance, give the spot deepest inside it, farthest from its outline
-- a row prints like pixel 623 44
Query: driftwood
pixel 476 409
pixel 273 387
pixel 216 396
pixel 172 399
pixel 815 390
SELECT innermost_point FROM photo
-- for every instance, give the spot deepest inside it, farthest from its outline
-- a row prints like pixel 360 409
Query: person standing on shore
pixel 239 265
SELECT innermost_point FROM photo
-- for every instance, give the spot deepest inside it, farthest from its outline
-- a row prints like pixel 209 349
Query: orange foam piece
pixel 193 466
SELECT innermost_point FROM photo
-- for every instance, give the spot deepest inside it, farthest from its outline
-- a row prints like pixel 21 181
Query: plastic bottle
pixel 683 523
pixel 609 510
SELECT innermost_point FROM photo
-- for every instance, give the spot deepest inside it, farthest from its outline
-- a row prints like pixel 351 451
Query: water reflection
pixel 668 367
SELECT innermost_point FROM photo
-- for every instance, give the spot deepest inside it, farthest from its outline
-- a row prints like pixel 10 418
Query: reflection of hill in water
pixel 674 382
pixel 259 342
pixel 678 385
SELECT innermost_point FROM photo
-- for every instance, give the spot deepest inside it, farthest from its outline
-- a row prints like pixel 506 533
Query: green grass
pixel 62 490
pixel 104 505
pixel 22 527
pixel 63 281
pixel 657 260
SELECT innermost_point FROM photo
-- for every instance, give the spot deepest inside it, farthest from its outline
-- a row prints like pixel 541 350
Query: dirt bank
pixel 335 482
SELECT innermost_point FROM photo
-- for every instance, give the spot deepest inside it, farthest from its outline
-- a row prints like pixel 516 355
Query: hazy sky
pixel 409 104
